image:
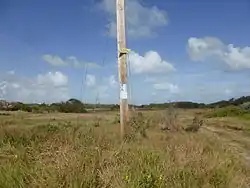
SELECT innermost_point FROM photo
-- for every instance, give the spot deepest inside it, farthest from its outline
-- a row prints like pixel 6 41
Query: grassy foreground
pixel 72 151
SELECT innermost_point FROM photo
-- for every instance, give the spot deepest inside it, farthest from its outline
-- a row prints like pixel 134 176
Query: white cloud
pixel 237 58
pixel 162 83
pixel 101 91
pixel 202 49
pixel 90 80
pixel 112 81
pixel 151 62
pixel 15 85
pixel 74 61
pixel 11 72
pixel 68 61
pixel 54 60
pixel 141 20
pixel 172 88
pixel 228 91
pixel 3 87
pixel 151 79
pixel 153 93
pixel 49 87
pixel 56 79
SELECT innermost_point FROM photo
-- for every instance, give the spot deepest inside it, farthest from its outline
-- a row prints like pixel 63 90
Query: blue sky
pixel 197 50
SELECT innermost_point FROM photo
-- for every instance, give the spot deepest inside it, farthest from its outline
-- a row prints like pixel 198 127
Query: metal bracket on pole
pixel 124 51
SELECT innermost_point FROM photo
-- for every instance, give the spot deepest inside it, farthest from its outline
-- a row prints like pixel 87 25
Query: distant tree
pixel 71 106
pixel 245 106
pixel 20 106
pixel 35 108
pixel 26 108
pixel 15 106
pixel 74 101
pixel 114 107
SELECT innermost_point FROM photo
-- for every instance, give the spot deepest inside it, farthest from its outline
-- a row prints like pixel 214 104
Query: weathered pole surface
pixel 122 64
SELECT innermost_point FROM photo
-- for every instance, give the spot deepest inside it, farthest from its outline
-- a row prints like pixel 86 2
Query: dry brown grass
pixel 73 152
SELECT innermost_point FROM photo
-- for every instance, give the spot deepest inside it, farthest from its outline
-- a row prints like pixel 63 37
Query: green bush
pixel 246 106
pixel 71 108
pixel 231 111
pixel 138 124
pixel 20 106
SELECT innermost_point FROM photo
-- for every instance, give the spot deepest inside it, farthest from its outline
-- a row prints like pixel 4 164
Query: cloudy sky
pixel 182 50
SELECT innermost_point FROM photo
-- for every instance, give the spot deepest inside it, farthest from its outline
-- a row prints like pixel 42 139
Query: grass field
pixel 84 150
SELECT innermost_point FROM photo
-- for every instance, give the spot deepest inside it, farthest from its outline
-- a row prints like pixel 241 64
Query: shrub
pixel 138 124
pixel 169 120
pixel 246 106
pixel 97 121
pixel 230 111
pixel 20 106
pixel 195 126
pixel 71 108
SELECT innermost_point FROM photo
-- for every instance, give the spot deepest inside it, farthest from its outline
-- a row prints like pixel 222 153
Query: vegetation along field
pixel 170 147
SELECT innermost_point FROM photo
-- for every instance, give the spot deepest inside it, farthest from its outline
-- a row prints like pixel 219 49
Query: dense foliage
pixel 229 111
pixel 70 106
pixel 76 106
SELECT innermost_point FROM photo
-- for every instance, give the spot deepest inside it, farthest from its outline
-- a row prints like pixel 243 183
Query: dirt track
pixel 236 140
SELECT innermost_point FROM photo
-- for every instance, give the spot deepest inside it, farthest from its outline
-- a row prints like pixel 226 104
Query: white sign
pixel 123 91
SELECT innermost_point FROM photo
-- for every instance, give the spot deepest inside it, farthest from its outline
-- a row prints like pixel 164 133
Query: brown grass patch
pixel 78 154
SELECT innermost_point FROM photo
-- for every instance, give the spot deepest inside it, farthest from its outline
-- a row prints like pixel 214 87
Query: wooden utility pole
pixel 122 64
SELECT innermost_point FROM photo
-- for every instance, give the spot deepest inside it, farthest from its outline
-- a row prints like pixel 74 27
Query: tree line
pixel 76 106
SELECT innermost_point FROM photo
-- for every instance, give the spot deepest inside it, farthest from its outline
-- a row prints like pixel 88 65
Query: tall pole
pixel 122 64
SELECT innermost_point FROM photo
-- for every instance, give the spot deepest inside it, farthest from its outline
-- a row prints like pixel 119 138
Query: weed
pixel 138 124
pixel 97 121
pixel 75 154
pixel 195 126
pixel 169 120
pixel 50 127
pixel 116 119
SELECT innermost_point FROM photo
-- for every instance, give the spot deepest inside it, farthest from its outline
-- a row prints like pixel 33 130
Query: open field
pixel 84 150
